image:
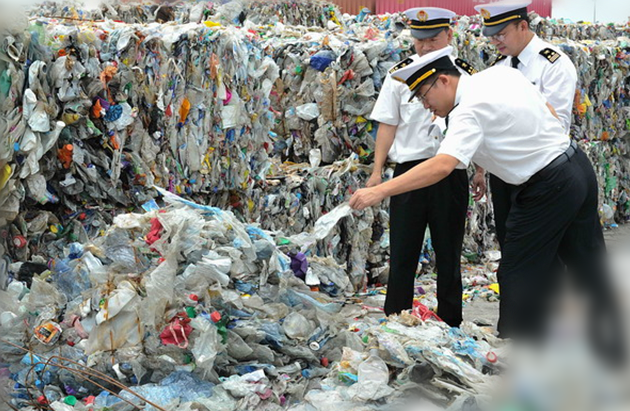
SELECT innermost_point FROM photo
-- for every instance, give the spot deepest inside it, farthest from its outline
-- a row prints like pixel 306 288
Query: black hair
pixel 449 72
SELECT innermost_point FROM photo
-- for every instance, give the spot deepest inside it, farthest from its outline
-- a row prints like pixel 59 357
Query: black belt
pixel 555 163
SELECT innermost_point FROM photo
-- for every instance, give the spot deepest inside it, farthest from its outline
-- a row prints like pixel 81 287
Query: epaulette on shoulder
pixel 550 54
pixel 401 65
pixel 500 58
pixel 465 66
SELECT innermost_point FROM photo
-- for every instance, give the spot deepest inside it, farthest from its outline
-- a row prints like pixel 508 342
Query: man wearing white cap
pixel 500 121
pixel 406 134
pixel 506 24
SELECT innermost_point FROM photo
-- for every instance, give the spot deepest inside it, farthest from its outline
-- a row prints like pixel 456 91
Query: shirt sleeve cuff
pixel 464 161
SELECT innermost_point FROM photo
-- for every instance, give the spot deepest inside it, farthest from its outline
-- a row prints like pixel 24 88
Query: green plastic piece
pixel 70 400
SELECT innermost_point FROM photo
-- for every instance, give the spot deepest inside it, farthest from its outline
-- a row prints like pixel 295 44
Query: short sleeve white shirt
pixel 556 81
pixel 416 138
pixel 502 123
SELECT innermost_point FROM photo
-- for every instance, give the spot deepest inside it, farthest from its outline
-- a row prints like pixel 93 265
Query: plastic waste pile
pixel 108 109
pixel 113 108
pixel 315 13
pixel 551 28
pixel 134 12
pixel 327 87
pixel 186 304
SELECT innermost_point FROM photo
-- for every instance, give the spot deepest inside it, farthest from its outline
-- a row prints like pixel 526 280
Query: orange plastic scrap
pixel 65 155
pixel 214 66
pixel 108 74
pixel 184 110
pixel 96 109
pixel 114 141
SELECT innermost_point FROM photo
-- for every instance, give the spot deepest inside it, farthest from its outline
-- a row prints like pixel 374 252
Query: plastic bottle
pixel 373 369
pixel 290 369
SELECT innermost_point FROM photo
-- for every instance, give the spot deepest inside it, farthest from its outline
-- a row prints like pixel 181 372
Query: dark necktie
pixel 449 114
pixel 515 62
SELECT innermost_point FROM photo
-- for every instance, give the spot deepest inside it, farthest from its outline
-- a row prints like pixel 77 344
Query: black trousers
pixel 502 197
pixel 501 204
pixel 556 215
pixel 443 207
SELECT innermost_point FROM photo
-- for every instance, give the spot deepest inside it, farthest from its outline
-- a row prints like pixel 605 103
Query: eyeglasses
pixel 500 38
pixel 424 96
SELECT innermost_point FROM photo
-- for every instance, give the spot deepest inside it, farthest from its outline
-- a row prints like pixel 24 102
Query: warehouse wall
pixel 462 7
pixel 353 6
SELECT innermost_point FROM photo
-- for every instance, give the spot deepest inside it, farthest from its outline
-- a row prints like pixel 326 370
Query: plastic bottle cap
pixel 194 297
pixel 70 400
pixel 19 241
pixel 190 311
pixel 491 357
pixel 69 147
pixel 314 346
pixel 215 317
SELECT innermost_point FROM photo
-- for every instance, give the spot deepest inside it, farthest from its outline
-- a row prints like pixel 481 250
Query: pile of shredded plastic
pixel 187 304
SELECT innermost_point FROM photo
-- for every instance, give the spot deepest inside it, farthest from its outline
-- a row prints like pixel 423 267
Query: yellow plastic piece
pixel 5 174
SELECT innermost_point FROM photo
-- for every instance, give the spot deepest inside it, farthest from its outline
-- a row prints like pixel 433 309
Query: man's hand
pixel 366 197
pixel 479 185
pixel 375 179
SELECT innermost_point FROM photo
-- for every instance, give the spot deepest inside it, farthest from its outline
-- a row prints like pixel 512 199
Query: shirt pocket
pixel 412 112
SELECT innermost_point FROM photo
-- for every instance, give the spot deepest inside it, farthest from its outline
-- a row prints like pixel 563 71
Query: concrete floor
pixel 618 243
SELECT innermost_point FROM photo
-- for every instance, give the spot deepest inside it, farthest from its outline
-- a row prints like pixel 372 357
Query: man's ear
pixel 450 35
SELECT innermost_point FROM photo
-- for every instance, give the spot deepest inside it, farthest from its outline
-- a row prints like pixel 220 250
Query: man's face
pixel 437 96
pixel 438 42
pixel 509 41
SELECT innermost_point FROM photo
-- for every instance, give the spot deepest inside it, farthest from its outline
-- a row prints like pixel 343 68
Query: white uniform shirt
pixel 502 123
pixel 556 81
pixel 416 138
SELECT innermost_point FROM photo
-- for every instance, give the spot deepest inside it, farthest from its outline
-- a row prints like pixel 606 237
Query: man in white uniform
pixel 499 120
pixel 506 24
pixel 407 136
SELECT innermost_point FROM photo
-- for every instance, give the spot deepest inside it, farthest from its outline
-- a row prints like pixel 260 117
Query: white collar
pixel 461 87
pixel 530 51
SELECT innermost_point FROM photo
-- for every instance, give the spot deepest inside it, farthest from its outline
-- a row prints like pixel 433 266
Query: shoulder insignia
pixel 465 66
pixel 500 58
pixel 401 65
pixel 550 55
